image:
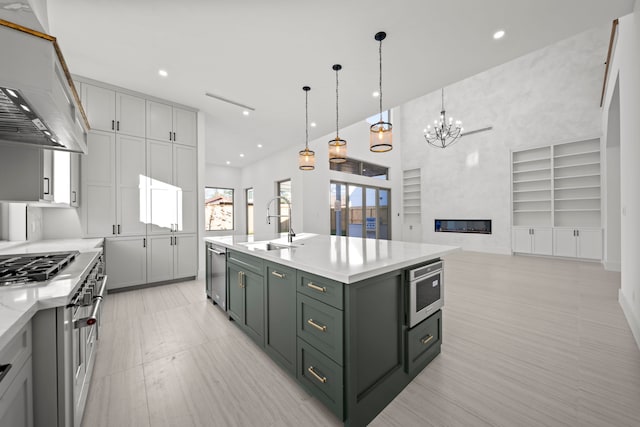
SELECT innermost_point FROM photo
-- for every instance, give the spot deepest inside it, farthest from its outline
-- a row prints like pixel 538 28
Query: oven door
pixel 426 296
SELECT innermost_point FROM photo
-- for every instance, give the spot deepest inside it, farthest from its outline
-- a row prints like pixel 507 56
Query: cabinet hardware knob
pixel 313 372
pixel 118 125
pixel 426 340
pixel 169 135
pixel 278 275
pixel 174 137
pixel 118 228
pixel 113 229
pixel 240 279
pixel 113 122
pixel 144 242
pixel 75 197
pixel 322 328
pixel 316 287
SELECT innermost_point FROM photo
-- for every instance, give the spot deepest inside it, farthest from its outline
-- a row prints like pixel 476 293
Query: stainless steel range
pixel 64 337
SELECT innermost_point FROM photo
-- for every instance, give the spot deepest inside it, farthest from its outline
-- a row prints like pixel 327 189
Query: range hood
pixel 38 101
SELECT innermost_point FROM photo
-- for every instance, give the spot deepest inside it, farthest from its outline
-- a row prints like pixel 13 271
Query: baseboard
pixel 634 322
pixel 612 265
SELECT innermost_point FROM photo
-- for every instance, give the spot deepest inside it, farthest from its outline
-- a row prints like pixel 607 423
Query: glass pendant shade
pixel 307 160
pixel 337 150
pixel 380 137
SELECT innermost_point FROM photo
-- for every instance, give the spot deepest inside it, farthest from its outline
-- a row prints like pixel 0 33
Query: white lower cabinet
pixel 16 383
pixel 171 257
pixel 535 240
pixel 577 243
pixel 126 261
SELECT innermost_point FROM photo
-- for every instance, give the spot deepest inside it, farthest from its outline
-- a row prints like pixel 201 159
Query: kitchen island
pixel 333 312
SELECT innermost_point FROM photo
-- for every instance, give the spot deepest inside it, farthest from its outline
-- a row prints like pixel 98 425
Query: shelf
pixel 577 165
pixel 531 200
pixel 532 210
pixel 577 210
pixel 577 188
pixel 533 180
pixel 531 161
pixel 559 156
pixel 577 176
pixel 576 198
pixel 531 191
pixel 533 170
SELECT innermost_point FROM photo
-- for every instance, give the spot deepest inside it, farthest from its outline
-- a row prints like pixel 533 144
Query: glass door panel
pixel 355 215
pixel 384 214
pixel 338 209
pixel 370 213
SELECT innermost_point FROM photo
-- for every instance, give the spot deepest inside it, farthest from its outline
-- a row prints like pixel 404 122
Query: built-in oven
pixel 426 291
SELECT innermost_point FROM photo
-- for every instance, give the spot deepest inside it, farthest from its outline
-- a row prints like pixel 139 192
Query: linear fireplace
pixel 474 226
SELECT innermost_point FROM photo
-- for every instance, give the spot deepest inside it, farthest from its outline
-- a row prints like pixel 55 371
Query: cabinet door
pixel 185 256
pixel 184 127
pixel 159 258
pixel 254 306
pixel 542 241
pixel 159 121
pixel 131 185
pixel 236 292
pixel 75 179
pixel 564 242
pixel 47 175
pixel 16 404
pixel 184 179
pixel 130 115
pixel 280 337
pixel 162 195
pixel 589 243
pixel 100 107
pixel 99 185
pixel 126 261
pixel 521 240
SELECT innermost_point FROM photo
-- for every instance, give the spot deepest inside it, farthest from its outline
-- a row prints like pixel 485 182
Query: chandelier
pixel 444 132
pixel 380 133
pixel 306 157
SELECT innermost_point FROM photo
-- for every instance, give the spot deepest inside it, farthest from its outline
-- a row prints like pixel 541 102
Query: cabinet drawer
pixel 245 261
pixel 322 289
pixel 423 343
pixel 321 376
pixel 321 325
pixel 15 353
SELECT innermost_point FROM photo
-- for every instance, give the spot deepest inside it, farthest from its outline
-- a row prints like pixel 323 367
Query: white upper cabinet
pixel 99 185
pixel 112 111
pixel 131 185
pixel 171 124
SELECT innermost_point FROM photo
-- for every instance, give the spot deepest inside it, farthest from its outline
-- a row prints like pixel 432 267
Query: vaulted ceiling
pixel 260 53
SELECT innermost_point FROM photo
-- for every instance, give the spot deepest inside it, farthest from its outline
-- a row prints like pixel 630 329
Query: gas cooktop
pixel 27 268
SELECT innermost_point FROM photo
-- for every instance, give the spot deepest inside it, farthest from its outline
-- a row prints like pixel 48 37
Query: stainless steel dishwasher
pixel 217 275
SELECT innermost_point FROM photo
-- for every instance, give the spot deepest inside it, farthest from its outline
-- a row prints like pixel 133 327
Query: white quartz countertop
pixel 19 303
pixel 344 259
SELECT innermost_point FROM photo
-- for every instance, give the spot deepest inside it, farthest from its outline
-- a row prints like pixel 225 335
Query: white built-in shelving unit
pixel 556 200
pixel 412 196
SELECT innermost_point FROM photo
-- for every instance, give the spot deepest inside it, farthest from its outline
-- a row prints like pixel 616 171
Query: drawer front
pixel 13 356
pixel 423 343
pixel 322 289
pixel 321 326
pixel 244 261
pixel 321 376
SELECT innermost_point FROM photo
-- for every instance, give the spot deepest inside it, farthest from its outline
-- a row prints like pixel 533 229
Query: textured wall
pixel 548 96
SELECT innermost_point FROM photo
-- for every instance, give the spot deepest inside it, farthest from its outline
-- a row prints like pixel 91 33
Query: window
pixel 360 211
pixel 376 117
pixel 249 209
pixel 358 167
pixel 284 190
pixel 218 209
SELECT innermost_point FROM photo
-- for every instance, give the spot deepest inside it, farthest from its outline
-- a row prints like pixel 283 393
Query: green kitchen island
pixel 333 312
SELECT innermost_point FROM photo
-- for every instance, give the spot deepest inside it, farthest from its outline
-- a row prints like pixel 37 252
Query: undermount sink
pixel 267 246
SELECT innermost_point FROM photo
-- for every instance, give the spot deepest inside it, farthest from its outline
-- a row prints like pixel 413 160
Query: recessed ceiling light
pixel 228 162
pixel 259 145
pixel 241 155
pixel 498 34
pixel 245 112
pixel 376 94
pixel 313 124
pixel 163 73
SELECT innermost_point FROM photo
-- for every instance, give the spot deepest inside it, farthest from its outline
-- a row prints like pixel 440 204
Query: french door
pixel 360 211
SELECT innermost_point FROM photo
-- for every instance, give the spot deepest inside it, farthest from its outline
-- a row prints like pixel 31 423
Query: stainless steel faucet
pixel 291 234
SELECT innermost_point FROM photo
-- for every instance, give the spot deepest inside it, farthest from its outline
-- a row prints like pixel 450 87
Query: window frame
pixel 233 209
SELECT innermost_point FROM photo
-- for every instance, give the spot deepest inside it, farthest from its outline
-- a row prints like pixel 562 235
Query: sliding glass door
pixel 360 211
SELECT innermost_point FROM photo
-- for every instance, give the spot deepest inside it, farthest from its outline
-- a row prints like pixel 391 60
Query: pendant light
pixel 380 135
pixel 306 157
pixel 337 146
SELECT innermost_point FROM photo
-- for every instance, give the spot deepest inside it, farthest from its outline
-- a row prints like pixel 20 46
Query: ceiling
pixel 260 53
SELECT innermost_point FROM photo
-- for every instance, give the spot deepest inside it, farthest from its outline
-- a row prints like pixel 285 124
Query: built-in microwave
pixel 426 292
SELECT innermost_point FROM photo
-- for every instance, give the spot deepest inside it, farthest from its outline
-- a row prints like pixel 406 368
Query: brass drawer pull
pixel 313 372
pixel 316 287
pixel 240 279
pixel 278 275
pixel 426 340
pixel 322 328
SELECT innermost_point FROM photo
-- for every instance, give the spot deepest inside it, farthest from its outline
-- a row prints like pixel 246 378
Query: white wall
pixel 625 66
pixel 545 97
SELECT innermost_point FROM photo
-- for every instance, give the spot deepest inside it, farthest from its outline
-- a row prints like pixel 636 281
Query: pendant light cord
pixel 337 127
pixel 442 99
pixel 306 122
pixel 380 81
